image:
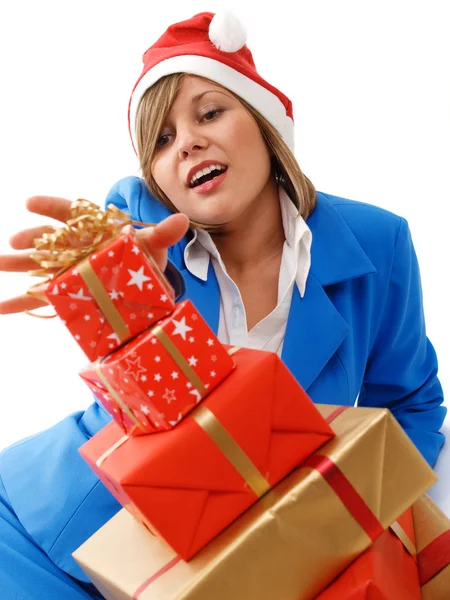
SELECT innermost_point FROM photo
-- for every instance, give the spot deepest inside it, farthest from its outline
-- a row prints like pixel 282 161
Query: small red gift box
pixel 386 571
pixel 111 296
pixel 189 483
pixel 152 382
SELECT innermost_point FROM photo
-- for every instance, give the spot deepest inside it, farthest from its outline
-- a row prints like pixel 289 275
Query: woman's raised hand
pixel 157 239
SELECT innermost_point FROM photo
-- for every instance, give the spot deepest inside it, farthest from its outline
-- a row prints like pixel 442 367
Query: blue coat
pixel 358 330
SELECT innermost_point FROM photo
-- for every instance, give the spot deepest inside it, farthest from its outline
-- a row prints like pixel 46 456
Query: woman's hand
pixel 157 239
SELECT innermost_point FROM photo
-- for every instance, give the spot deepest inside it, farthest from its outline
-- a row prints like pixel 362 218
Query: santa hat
pixel 213 46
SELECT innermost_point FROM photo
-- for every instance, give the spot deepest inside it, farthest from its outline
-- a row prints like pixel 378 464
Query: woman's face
pixel 208 128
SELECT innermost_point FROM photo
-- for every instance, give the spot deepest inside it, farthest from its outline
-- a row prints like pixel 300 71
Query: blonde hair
pixel 151 115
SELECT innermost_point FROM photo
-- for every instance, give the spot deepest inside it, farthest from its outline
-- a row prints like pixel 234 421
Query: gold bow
pixel 86 231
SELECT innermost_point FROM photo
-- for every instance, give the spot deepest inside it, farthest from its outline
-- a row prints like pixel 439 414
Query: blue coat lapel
pixel 204 294
pixel 315 328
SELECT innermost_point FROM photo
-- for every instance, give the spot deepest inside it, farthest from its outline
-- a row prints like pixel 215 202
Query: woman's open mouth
pixel 204 183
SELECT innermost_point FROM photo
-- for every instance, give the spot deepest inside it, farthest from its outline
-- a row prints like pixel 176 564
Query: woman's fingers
pixel 165 234
pixel 20 304
pixel 50 206
pixel 18 263
pixel 24 239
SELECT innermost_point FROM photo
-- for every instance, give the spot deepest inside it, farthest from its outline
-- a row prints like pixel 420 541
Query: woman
pixel 329 284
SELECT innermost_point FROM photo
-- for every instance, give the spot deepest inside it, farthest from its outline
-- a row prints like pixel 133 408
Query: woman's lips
pixel 210 185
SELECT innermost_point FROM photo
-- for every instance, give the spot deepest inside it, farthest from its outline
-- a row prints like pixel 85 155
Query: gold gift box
pixel 290 544
pixel 429 524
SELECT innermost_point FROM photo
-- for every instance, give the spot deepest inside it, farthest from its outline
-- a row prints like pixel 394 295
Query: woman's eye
pixel 211 114
pixel 162 140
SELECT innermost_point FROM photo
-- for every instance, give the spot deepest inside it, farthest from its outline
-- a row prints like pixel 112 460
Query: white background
pixel 371 91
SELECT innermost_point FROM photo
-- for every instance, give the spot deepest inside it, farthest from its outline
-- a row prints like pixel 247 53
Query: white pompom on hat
pixel 213 46
pixel 226 32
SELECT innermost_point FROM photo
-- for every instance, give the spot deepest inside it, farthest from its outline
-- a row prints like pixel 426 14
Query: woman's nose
pixel 190 141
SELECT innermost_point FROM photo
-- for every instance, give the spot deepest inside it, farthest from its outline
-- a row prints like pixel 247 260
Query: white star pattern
pixel 63 286
pixel 188 384
pixel 132 316
pixel 144 378
pixel 79 295
pixel 192 361
pixel 111 253
pixel 214 358
pixel 150 286
pixel 173 423
pixel 92 344
pixel 114 295
pixel 169 396
pixel 157 377
pixel 197 395
pixel 163 298
pixel 115 270
pixel 135 250
pixel 74 272
pixel 145 409
pixel 77 337
pixel 157 359
pixel 111 346
pixel 174 375
pixel 134 367
pixel 213 373
pixel 191 339
pixel 153 340
pixel 137 277
pixel 194 317
pixel 181 328
pixel 210 342
pixel 73 306
pixel 87 317
pixel 104 270
pixel 150 315
pixel 150 393
pixel 115 337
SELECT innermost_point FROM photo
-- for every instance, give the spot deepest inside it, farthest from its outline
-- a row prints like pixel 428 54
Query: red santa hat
pixel 213 46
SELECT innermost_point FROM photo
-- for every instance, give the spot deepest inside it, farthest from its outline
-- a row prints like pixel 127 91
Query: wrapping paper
pixel 111 296
pixel 189 483
pixel 432 531
pixel 152 382
pixel 386 571
pixel 292 543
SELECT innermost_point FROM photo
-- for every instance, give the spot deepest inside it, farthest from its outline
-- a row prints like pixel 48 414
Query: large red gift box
pixel 386 571
pixel 111 296
pixel 152 382
pixel 188 484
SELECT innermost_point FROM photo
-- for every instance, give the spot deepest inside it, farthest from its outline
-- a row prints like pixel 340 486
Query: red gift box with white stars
pixel 153 381
pixel 111 296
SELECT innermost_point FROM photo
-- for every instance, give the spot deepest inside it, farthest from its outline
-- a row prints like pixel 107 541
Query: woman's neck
pixel 257 239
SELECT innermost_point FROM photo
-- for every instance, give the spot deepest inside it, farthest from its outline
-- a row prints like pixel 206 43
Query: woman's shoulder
pixel 371 225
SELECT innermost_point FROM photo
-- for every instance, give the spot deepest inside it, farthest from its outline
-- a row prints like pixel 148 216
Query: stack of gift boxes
pixel 234 484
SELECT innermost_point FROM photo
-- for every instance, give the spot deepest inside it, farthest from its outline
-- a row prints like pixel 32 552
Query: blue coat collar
pixel 315 329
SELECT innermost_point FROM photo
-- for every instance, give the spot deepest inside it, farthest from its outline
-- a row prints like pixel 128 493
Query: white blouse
pixel 269 333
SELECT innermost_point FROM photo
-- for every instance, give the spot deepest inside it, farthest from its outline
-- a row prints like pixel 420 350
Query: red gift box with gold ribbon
pixel 157 378
pixel 386 571
pixel 189 483
pixel 294 541
pixel 111 296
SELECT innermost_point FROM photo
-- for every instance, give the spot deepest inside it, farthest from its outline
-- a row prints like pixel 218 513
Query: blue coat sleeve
pixel 401 371
pixel 26 572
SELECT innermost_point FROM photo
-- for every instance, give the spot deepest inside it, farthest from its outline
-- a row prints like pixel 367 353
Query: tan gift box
pixel 294 541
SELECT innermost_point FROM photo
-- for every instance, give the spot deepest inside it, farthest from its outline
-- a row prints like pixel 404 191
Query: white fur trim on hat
pixel 266 103
pixel 226 32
